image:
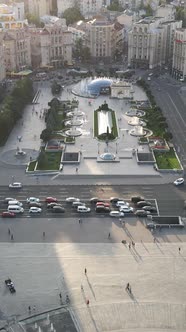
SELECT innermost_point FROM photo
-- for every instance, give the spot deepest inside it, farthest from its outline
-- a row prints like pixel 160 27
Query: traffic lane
pixel 68 230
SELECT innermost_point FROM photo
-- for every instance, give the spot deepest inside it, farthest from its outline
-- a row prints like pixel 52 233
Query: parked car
pixel 102 209
pixel 15 203
pixel 142 213
pixel 150 226
pixel 126 209
pixel 35 209
pixel 72 199
pixel 58 209
pixel 8 199
pixel 75 204
pixel 83 209
pixel 152 209
pixel 136 199
pixel 116 214
pixel 121 203
pixel 7 214
pixel 94 200
pixel 35 204
pixel 115 199
pixel 140 204
pixel 51 200
pixel 33 200
pixel 179 181
pixel 52 204
pixel 15 185
pixel 103 204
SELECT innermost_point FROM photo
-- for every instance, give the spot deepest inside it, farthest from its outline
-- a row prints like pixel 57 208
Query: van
pixel 83 209
pixel 15 209
pixel 15 202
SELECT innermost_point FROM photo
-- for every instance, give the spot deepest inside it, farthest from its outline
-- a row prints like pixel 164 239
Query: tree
pixel 33 19
pixel 72 15
pixel 115 6
pixel 46 135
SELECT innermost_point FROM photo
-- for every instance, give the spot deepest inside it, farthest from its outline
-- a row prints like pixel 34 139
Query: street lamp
pixel 98 147
pixel 116 147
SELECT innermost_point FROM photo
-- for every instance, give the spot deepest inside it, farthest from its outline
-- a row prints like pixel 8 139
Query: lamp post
pixel 116 147
pixel 98 147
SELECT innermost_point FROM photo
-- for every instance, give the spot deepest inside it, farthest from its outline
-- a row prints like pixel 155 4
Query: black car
pixel 58 209
pixel 152 209
pixel 102 209
pixel 94 200
pixel 136 199
pixel 115 199
pixel 141 204
pixel 142 213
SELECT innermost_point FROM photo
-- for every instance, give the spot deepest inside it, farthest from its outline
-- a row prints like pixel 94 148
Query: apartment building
pixel 167 12
pixel 39 7
pixel 12 16
pixel 103 38
pixel 179 54
pixel 150 42
pixel 62 5
pixel 88 8
pixel 51 46
pixel 16 49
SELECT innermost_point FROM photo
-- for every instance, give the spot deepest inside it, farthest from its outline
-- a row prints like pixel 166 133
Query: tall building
pixel 88 8
pixel 103 38
pixel 51 46
pixel 39 7
pixel 17 49
pixel 62 5
pixel 179 54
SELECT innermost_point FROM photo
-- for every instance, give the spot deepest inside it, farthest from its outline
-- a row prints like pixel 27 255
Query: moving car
pixel 35 209
pixel 15 185
pixel 142 213
pixel 116 214
pixel 72 199
pixel 83 209
pixel 126 209
pixel 33 200
pixel 121 203
pixel 179 181
pixel 140 204
pixel 7 214
pixel 51 200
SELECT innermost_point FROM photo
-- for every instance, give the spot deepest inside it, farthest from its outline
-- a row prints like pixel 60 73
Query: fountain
pixel 135 121
pixel 138 131
pixel 20 152
pixel 74 132
pixel 74 122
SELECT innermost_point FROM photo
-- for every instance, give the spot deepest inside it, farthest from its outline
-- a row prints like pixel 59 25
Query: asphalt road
pixel 170 199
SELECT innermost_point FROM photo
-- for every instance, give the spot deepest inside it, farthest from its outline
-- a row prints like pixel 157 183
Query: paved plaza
pixel 155 271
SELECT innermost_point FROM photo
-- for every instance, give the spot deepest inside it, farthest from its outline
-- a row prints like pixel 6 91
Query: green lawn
pixel 49 161
pixel 32 165
pixel 167 160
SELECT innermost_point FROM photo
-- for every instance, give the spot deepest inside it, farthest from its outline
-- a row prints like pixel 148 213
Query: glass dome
pixel 107 156
pixel 99 86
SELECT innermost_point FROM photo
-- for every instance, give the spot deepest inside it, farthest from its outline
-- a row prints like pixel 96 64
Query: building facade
pixel 12 17
pixel 2 62
pixel 39 7
pixel 179 54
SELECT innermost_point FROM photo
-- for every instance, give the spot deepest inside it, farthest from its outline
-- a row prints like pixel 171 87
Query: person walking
pixel 88 302
pixel 108 235
pixel 29 309
pixel 43 235
pixel 129 246
pixel 85 271
pixel 9 232
pixel 12 237
pixel 60 296
pixel 179 249
pixel 127 287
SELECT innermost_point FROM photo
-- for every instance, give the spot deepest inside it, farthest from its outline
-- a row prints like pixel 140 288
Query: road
pixel 170 199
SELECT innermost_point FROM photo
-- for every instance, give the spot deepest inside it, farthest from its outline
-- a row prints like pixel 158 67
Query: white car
pixel 32 200
pixel 72 199
pixel 122 203
pixel 35 209
pixel 116 214
pixel 76 204
pixel 179 181
pixel 83 209
pixel 126 209
pixel 8 199
pixel 15 185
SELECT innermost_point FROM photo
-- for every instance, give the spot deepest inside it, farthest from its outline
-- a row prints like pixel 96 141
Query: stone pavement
pixel 155 271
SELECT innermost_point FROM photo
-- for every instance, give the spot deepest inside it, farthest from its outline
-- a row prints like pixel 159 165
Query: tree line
pixel 12 106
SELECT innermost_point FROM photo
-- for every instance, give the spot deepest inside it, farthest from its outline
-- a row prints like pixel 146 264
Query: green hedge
pixel 167 160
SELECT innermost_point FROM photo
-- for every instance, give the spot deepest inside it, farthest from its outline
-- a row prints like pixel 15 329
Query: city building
pixel 122 90
pixel 62 5
pixel 150 42
pixel 167 12
pixel 39 8
pixel 16 49
pixel 12 17
pixel 51 46
pixel 77 34
pixel 104 38
pixel 179 54
pixel 89 8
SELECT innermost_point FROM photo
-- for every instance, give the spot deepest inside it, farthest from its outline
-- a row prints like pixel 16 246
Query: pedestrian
pixel 108 235
pixel 120 221
pixel 129 246
pixel 133 244
pixel 179 249
pixel 85 271
pixel 154 239
pixel 9 231
pixel 60 296
pixel 12 237
pixel 127 287
pixel 29 309
pixel 79 221
pixel 82 287
pixel 88 302
pixel 43 235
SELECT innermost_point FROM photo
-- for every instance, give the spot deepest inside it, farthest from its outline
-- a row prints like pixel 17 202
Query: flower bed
pixel 167 160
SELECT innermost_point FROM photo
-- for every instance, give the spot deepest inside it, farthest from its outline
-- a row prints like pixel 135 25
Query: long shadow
pixel 133 298
pixel 90 286
pixel 127 232
pixel 144 246
pixel 134 251
pixel 93 320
